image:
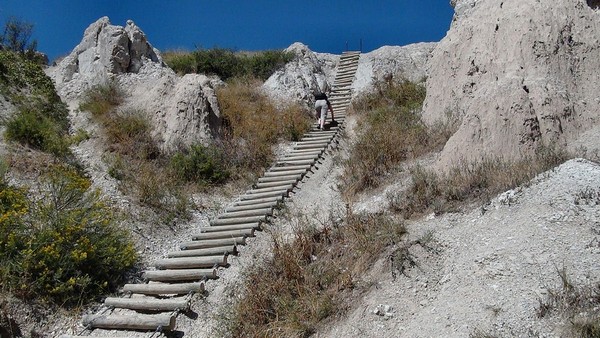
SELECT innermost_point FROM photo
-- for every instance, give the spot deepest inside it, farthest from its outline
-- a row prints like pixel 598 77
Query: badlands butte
pixel 509 78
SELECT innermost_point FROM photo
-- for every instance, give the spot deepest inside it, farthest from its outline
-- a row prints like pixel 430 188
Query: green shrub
pixel 181 62
pixel 66 247
pixel 41 120
pixel 227 64
pixel 200 164
pixel 40 132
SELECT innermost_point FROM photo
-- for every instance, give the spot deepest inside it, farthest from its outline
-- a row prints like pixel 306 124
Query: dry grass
pixel 253 125
pixel 390 132
pixel 578 304
pixel 306 280
pixel 470 182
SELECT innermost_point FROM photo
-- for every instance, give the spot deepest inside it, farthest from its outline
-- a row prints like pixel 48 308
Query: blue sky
pixel 325 26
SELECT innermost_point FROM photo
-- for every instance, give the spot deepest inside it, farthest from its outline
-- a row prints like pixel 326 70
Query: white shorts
pixel 322 104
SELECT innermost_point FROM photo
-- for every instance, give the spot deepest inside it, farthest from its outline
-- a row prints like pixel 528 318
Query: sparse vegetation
pixel 480 181
pixel 228 64
pixel 304 282
pixel 253 125
pixel 578 304
pixel 148 173
pixel 64 247
pixel 390 132
pixel 41 118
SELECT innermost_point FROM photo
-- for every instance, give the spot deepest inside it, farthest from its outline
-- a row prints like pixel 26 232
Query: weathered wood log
pixel 280 178
pixel 281 188
pixel 180 275
pixel 236 208
pixel 164 289
pixel 220 228
pixel 224 234
pixel 191 262
pixel 148 304
pixel 264 195
pixel 312 142
pixel 284 173
pixel 131 322
pixel 293 162
pixel 238 220
pixel 213 243
pixel 311 146
pixel 291 167
pixel 229 249
pixel 259 200
pixel 247 213
pixel 297 157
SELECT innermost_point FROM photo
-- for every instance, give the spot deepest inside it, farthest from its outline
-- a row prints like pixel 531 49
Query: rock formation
pixel 307 73
pixel 182 109
pixel 312 71
pixel 517 74
pixel 392 63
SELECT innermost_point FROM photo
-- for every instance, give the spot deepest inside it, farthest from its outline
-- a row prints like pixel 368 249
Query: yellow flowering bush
pixel 69 248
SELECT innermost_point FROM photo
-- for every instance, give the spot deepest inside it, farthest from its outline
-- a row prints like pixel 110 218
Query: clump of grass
pixel 65 247
pixel 304 282
pixel 470 182
pixel 102 99
pixel 253 125
pixel 390 132
pixel 227 63
pixel 579 304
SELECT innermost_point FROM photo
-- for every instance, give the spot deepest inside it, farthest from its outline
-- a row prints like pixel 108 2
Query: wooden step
pixel 213 243
pixel 220 228
pixel 148 304
pixel 130 322
pixel 259 200
pixel 164 289
pixel 224 234
pixel 236 208
pixel 262 195
pixel 284 173
pixel 180 275
pixel 280 178
pixel 275 184
pixel 238 220
pixel 191 262
pixel 248 213
pixel 219 250
pixel 287 188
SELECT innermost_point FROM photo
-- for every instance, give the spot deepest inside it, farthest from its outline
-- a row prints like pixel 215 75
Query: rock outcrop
pixel 517 74
pixel 312 71
pixel 307 73
pixel 392 63
pixel 182 109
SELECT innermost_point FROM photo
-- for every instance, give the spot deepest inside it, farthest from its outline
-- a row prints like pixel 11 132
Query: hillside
pixel 474 158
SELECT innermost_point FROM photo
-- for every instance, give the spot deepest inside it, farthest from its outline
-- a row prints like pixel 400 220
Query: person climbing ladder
pixel 321 105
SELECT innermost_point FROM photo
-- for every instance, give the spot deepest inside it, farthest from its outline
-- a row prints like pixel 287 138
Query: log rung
pixel 132 322
pixel 148 304
pixel 164 289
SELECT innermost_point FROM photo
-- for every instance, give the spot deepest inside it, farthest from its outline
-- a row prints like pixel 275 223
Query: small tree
pixel 16 36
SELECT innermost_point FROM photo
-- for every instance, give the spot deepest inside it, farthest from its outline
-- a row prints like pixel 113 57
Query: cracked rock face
pixel 516 75
pixel 183 110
